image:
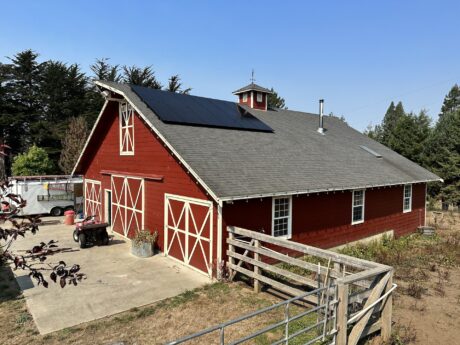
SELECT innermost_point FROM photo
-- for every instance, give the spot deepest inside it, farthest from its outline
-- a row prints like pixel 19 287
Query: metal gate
pixel 188 231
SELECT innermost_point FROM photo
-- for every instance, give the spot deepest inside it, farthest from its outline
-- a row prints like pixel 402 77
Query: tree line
pixel 435 147
pixel 48 107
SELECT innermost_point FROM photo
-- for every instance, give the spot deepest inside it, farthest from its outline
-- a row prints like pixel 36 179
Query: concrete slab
pixel 117 281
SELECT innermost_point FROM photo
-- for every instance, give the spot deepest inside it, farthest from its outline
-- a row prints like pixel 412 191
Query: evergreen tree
pixel 393 114
pixel 451 101
pixel 175 85
pixel 374 132
pixel 62 95
pixel 409 136
pixel 442 153
pixel 141 76
pixel 33 162
pixel 72 144
pixel 20 106
pixel 103 70
pixel 275 101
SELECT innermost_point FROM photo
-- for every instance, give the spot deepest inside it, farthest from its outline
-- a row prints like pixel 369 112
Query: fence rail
pixel 351 297
pixel 326 308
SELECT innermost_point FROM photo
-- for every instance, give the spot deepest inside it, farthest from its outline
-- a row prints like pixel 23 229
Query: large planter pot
pixel 142 250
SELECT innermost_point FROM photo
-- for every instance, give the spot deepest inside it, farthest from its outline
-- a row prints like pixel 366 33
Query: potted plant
pixel 143 243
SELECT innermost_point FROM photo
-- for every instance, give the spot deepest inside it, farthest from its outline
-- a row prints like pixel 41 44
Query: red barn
pixel 188 166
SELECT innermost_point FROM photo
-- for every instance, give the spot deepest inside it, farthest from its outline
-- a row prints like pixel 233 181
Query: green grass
pixel 22 318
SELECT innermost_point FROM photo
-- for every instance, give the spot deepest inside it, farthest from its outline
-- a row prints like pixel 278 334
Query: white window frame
pixel 354 222
pixel 409 197
pixel 245 96
pixel 259 97
pixel 125 133
pixel 289 232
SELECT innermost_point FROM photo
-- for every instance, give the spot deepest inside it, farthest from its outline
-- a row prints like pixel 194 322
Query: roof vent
pixel 321 115
pixel 372 152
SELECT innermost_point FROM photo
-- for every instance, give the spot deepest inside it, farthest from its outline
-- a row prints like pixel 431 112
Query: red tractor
pixel 91 231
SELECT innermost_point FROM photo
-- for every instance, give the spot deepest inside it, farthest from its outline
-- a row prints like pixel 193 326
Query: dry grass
pixel 154 324
pixel 427 270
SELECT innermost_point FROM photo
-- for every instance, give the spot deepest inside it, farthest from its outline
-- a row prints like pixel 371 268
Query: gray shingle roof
pixel 294 159
pixel 253 87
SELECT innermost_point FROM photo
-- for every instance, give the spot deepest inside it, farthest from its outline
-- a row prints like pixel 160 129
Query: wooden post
pixel 342 313
pixel 231 248
pixel 387 311
pixel 256 268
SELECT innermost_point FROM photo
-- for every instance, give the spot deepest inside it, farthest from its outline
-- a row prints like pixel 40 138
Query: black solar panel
pixel 177 108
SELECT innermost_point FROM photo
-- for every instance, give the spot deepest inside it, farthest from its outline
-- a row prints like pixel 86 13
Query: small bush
pixel 415 290
pixel 144 236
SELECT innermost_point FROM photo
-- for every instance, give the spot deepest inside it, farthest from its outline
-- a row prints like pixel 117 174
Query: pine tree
pixel 175 85
pixel 409 136
pixel 374 132
pixel 393 114
pixel 19 93
pixel 275 101
pixel 72 144
pixel 141 76
pixel 442 153
pixel 103 70
pixel 451 101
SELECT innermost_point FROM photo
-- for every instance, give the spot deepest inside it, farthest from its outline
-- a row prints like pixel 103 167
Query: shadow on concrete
pixel 9 288
pixel 25 282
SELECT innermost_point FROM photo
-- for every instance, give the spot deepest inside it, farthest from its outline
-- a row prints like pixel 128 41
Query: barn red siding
pixel 150 157
pixel 256 105
pixel 324 220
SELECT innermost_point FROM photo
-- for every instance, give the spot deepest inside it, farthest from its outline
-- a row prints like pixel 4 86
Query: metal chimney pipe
pixel 321 115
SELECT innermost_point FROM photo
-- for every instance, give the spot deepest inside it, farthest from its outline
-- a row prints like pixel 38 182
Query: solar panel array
pixel 178 108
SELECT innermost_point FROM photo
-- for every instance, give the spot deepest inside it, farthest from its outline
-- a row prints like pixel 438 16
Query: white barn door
pixel 127 204
pixel 93 205
pixel 188 231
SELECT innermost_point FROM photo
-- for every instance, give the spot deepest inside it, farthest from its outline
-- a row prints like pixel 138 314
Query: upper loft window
pixel 358 206
pixel 245 97
pixel 259 97
pixel 126 129
pixel 407 206
pixel 282 217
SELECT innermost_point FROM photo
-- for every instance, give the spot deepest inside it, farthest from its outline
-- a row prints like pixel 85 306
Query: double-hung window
pixel 358 206
pixel 259 97
pixel 245 97
pixel 407 203
pixel 282 217
pixel 126 129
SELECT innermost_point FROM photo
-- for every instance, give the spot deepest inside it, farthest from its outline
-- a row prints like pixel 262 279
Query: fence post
pixel 231 248
pixel 387 311
pixel 256 268
pixel 342 313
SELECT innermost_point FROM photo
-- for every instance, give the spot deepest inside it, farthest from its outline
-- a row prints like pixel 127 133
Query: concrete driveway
pixel 116 280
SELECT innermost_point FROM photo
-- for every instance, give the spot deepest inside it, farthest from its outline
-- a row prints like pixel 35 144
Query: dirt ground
pixel 434 319
pixel 426 307
pixel 426 304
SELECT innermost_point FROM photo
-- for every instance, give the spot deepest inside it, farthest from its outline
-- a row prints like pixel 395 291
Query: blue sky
pixel 357 55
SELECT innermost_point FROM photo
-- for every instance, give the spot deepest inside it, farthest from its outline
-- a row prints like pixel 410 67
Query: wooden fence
pixel 360 291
